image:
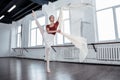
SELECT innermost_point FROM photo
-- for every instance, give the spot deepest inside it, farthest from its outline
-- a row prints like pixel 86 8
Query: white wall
pixel 5 40
pixel 78 15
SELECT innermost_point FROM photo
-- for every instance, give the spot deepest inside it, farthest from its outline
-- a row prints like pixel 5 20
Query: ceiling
pixel 23 8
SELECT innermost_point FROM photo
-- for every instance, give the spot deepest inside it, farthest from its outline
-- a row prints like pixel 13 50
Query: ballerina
pixel 48 35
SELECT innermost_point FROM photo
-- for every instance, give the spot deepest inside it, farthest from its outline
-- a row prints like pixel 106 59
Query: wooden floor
pixel 23 69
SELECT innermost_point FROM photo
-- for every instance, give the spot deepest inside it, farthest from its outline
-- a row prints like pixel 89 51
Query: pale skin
pixel 51 18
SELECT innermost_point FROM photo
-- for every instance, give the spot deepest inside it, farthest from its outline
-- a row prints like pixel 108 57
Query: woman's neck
pixel 51 23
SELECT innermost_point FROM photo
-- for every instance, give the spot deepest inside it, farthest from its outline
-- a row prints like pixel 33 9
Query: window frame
pixel 67 19
pixel 19 33
pixel 35 28
pixel 115 23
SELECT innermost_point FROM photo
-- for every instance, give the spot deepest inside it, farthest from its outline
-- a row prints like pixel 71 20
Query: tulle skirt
pixel 80 43
pixel 48 39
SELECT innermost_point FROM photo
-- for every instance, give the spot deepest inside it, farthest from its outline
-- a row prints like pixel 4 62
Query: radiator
pixel 108 53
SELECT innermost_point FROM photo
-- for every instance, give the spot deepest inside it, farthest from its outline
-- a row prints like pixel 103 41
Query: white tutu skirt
pixel 48 39
pixel 80 43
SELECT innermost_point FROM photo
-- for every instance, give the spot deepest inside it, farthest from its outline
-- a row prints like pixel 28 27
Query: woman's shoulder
pixel 47 25
pixel 57 22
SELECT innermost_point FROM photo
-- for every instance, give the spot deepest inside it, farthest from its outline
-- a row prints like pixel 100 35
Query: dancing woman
pixel 48 35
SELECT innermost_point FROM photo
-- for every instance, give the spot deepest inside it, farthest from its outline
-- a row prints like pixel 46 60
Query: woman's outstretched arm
pixel 60 20
pixel 60 15
pixel 38 24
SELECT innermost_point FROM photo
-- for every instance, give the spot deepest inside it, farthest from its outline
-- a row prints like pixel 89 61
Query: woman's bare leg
pixel 47 58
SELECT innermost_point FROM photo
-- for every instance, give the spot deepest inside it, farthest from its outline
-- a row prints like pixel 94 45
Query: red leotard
pixel 53 28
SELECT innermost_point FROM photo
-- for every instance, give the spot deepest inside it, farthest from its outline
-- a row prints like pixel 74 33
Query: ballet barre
pixel 26 48
pixel 101 43
pixel 68 45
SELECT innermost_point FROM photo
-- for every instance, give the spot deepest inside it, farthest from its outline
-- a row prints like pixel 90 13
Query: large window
pixel 105 22
pixel 65 27
pixel 118 20
pixel 108 18
pixel 35 35
pixel 19 35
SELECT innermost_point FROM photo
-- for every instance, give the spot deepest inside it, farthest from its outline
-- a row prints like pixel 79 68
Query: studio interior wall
pixel 5 39
pixel 79 17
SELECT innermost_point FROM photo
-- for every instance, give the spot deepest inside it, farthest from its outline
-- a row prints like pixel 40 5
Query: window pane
pixel 67 26
pixel 36 37
pixel 105 25
pixel 58 11
pixel 39 38
pixel 66 14
pixel 118 20
pixel 100 4
pixel 19 29
pixel 19 36
pixel 33 37
pixel 33 24
pixel 59 39
pixel 42 20
pixel 67 29
pixel 18 40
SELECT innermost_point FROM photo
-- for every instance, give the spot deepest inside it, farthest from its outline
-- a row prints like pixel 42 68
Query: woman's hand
pixel 33 14
pixel 59 31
